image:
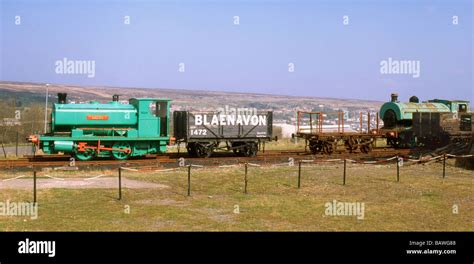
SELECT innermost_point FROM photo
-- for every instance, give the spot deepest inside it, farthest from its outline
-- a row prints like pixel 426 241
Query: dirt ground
pixel 105 183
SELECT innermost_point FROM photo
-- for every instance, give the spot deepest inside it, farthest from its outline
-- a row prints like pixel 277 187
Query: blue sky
pixel 330 59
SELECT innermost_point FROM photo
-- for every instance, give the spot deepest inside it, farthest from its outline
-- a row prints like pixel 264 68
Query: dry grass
pixel 421 201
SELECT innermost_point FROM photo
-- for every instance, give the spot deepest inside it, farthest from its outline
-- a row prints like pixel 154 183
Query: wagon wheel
pixel 125 152
pixel 250 150
pixel 236 148
pixel 209 150
pixel 328 148
pixel 351 144
pixel 191 147
pixel 366 147
pixel 204 150
pixel 315 146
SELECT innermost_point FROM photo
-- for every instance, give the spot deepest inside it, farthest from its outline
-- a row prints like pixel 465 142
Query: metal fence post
pixel 444 165
pixel 120 182
pixel 34 186
pixel 189 180
pixel 344 175
pixel 299 174
pixel 16 145
pixel 245 178
pixel 398 169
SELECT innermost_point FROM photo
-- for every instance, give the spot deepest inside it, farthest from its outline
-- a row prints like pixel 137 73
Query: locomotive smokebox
pixel 115 98
pixel 394 98
pixel 62 98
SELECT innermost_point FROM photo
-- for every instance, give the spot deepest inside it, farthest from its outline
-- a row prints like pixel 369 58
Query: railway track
pixel 173 159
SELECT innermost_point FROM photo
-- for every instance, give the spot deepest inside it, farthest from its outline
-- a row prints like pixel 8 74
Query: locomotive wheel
pixel 85 156
pixel 119 155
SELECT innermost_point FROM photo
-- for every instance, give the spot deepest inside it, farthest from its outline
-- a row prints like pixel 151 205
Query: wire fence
pixel 13 143
pixel 302 163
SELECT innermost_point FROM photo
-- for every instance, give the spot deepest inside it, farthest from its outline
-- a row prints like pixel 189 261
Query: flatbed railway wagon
pixel 321 139
pixel 206 132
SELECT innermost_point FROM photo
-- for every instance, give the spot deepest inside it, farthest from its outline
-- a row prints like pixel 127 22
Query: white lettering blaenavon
pixel 230 120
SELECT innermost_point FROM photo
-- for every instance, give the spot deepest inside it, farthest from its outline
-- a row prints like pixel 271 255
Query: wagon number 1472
pixel 198 132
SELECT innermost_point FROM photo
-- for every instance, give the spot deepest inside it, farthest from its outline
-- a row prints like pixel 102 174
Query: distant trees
pixel 259 105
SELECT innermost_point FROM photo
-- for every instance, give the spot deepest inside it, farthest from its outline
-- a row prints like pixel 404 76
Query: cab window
pixel 161 109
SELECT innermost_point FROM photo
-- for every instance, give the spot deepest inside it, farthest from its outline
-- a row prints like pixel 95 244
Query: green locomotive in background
pixel 432 123
pixel 107 130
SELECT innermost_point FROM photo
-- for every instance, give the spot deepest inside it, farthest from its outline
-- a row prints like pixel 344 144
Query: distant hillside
pixel 283 106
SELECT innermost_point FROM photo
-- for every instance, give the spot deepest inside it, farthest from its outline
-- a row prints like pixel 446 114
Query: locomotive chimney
pixel 414 99
pixel 115 98
pixel 394 98
pixel 62 98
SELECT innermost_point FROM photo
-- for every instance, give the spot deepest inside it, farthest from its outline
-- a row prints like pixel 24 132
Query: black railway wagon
pixel 206 132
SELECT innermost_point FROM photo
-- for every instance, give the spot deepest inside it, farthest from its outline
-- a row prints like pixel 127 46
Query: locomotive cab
pixel 153 116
